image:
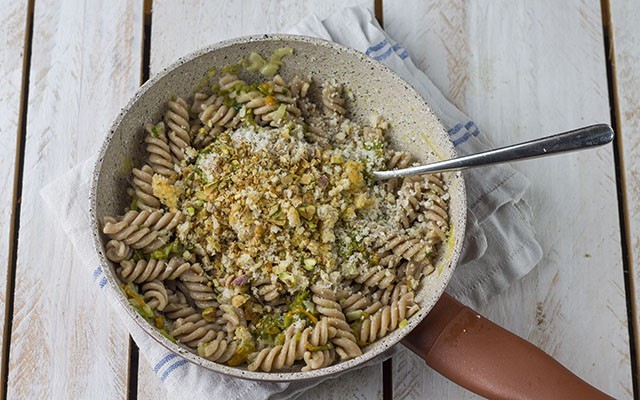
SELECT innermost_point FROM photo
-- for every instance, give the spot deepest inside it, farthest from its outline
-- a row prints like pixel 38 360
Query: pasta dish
pixel 256 234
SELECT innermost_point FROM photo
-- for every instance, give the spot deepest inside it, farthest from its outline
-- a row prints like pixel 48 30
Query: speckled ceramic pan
pixel 377 89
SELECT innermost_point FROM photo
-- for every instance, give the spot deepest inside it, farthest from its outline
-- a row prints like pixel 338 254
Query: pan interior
pixel 377 90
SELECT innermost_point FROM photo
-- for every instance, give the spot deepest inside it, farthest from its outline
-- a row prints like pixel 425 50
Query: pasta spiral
pixel 117 251
pixel 148 270
pixel 193 333
pixel 230 317
pixel 179 308
pixel 220 349
pixel 197 287
pixel 216 113
pixel 410 195
pixel 142 189
pixel 280 356
pixel 155 295
pixel 143 230
pixel 387 319
pixel 269 292
pixel 332 100
pixel 326 305
pixel 397 160
pixel 160 158
pixel 382 278
pixel 436 209
pixel 177 119
pixel 318 359
pixel 354 304
pixel 325 302
pixel 399 246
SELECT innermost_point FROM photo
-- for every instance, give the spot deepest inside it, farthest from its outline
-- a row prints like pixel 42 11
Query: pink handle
pixel 483 357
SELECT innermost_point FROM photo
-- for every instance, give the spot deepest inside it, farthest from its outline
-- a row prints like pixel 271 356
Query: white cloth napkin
pixel 500 247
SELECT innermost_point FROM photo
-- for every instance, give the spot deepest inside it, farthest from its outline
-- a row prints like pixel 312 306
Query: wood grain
pixel 522 71
pixel 183 26
pixel 626 55
pixel 180 27
pixel 13 23
pixel 66 340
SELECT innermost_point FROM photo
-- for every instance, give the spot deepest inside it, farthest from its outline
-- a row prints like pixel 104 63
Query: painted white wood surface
pixel 66 340
pixel 626 39
pixel 183 26
pixel 523 70
pixel 13 23
pixel 549 76
pixel 180 27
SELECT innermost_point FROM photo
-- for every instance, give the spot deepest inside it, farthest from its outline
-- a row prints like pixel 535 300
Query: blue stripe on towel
pixel 384 55
pixel 400 51
pixel 97 273
pixel 455 129
pixel 376 47
pixel 173 367
pixel 462 139
pixel 163 361
pixel 103 282
pixel 470 129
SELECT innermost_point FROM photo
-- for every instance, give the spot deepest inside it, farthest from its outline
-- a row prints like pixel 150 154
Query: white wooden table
pixel 519 70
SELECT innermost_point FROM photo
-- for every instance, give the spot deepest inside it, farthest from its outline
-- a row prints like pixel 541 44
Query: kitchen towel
pixel 500 246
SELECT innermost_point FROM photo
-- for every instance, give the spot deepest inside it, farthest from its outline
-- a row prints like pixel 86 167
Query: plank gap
pixel 377 11
pixel 134 359
pixel 146 40
pixel 134 351
pixel 623 208
pixel 387 366
pixel 17 198
pixel 387 379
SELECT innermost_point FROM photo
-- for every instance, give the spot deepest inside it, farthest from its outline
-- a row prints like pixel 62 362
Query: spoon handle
pixel 577 139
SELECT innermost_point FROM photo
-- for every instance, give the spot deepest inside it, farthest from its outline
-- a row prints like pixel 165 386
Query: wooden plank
pixel 13 24
pixel 523 70
pixel 180 27
pixel 66 340
pixel 625 41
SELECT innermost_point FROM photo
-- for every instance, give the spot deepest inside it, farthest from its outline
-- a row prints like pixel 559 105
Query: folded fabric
pixel 500 246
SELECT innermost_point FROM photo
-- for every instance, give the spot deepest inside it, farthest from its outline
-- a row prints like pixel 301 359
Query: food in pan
pixel 256 234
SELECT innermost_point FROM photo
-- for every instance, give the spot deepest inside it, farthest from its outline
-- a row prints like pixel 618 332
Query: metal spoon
pixel 578 139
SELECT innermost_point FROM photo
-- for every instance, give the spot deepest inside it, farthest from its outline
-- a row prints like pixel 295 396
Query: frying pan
pixel 444 339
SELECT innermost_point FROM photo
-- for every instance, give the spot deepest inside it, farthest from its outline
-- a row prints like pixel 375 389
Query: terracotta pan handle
pixel 481 356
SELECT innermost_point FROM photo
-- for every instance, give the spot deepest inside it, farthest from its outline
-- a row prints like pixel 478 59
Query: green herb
pixel 277 55
pixel 255 62
pixel 167 335
pixel 280 112
pixel 134 204
pixel 204 81
pixel 309 263
pixel 174 247
pixel 137 256
pixel 211 72
pixel 233 69
pixel 268 327
pixel 269 69
pixel 287 278
pixel 301 301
